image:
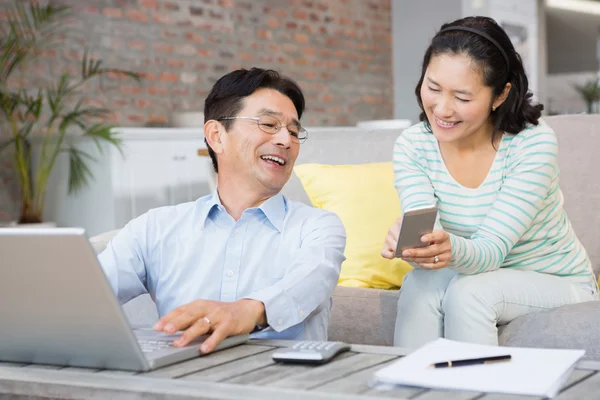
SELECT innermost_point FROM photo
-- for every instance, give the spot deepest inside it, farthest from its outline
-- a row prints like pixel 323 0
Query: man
pixel 244 259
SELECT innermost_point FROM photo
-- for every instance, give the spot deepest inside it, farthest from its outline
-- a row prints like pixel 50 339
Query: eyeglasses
pixel 272 125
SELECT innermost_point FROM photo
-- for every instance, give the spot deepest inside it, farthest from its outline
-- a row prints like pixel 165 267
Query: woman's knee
pixel 468 292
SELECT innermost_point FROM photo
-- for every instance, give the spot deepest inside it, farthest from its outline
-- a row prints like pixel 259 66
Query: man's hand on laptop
pixel 223 319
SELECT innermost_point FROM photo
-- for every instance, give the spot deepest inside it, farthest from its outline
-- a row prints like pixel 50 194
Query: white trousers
pixel 468 308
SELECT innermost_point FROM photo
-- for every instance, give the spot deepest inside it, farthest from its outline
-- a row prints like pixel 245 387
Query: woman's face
pixel 455 99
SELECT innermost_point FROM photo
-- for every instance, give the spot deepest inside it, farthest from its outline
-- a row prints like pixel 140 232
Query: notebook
pixel 536 372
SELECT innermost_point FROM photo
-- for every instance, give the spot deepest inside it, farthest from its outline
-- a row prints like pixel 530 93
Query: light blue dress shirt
pixel 283 253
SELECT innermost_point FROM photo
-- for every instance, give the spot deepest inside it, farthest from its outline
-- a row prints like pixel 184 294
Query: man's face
pixel 264 161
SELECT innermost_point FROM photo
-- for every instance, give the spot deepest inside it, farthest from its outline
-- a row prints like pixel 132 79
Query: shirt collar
pixel 274 209
pixel 212 202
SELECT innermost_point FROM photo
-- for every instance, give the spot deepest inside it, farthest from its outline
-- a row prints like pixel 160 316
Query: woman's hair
pixel 486 43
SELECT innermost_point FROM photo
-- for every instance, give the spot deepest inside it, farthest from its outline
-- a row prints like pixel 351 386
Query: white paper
pixel 536 372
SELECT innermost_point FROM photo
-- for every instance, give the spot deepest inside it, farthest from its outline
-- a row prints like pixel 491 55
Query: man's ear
pixel 212 132
pixel 502 97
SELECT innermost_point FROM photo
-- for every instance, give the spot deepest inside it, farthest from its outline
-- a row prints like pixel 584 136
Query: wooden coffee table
pixel 248 372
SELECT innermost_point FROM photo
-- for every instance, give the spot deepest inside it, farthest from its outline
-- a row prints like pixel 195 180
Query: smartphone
pixel 415 224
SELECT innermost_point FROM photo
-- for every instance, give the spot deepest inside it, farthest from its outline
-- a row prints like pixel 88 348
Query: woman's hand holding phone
pixel 439 246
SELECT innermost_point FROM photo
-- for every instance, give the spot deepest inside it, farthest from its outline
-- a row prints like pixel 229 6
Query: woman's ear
pixel 212 133
pixel 502 97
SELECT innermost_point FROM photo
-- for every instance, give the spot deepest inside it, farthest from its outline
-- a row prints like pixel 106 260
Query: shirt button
pixel 230 273
pixel 302 313
pixel 279 322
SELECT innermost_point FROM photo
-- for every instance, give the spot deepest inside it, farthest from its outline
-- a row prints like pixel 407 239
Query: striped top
pixel 514 219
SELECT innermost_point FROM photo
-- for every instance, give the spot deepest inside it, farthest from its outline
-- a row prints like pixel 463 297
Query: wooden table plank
pixel 61 384
pixel 12 364
pixel 207 361
pixel 331 371
pixel 585 388
pixel 447 395
pixel 357 348
pixel 42 366
pixel 358 383
pixel 235 368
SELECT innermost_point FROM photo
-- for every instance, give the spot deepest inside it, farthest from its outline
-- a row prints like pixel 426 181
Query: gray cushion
pixel 579 142
pixel 575 326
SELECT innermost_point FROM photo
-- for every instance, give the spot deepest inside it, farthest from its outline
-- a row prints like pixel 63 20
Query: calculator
pixel 310 352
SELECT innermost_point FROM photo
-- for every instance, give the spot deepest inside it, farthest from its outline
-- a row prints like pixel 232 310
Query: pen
pixel 471 361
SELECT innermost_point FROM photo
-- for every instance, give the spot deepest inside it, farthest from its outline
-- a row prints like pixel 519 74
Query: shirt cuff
pixel 277 308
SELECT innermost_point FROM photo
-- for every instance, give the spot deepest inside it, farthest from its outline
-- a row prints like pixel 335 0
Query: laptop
pixel 57 307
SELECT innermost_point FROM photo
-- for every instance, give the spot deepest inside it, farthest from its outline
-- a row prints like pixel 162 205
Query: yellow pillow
pixel 364 198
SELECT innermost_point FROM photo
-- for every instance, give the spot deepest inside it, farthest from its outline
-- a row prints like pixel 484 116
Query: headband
pixel 480 33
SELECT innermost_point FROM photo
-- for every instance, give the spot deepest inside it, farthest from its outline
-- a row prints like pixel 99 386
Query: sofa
pixel 367 316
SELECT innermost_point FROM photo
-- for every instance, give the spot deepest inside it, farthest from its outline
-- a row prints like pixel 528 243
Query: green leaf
pixel 101 132
pixel 79 172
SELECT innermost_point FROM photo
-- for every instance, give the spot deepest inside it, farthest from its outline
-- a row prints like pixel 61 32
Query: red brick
pixel 135 15
pixel 136 118
pixel 272 23
pixel 162 18
pixel 89 9
pixel 149 4
pixel 181 92
pixel 131 89
pixel 193 37
pixel 141 103
pixel 246 57
pixel 162 47
pixel 310 51
pixel 168 77
pixel 301 38
pixel 136 45
pixel 261 33
pixel 300 14
pixel 157 90
pixel 113 12
pixel 157 118
pixel 169 34
pixel 171 6
pixel 175 63
pixel 226 3
pixel 280 13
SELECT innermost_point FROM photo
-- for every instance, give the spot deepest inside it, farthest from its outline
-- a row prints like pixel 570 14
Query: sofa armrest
pixel 364 316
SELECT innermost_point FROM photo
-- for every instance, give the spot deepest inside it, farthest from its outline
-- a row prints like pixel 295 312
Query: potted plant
pixel 54 113
pixel 590 92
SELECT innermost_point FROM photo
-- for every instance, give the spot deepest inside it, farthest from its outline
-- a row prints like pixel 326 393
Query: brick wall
pixel 339 51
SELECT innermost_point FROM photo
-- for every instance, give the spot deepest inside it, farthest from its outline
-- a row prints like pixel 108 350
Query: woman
pixel 503 246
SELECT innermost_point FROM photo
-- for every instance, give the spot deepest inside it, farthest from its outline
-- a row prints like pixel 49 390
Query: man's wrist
pixel 258 312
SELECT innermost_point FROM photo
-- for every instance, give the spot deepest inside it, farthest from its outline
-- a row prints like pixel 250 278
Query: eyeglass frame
pixel 279 126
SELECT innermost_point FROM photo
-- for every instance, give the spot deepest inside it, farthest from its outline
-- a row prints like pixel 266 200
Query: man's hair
pixel 227 95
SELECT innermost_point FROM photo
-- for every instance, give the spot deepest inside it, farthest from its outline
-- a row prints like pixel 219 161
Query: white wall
pixel 414 23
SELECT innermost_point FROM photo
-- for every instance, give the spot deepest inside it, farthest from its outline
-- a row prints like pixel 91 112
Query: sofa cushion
pixel 578 141
pixel 364 198
pixel 574 326
pixel 341 145
pixel 363 316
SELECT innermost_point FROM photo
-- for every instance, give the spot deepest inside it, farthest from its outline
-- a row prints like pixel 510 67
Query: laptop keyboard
pixel 148 346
